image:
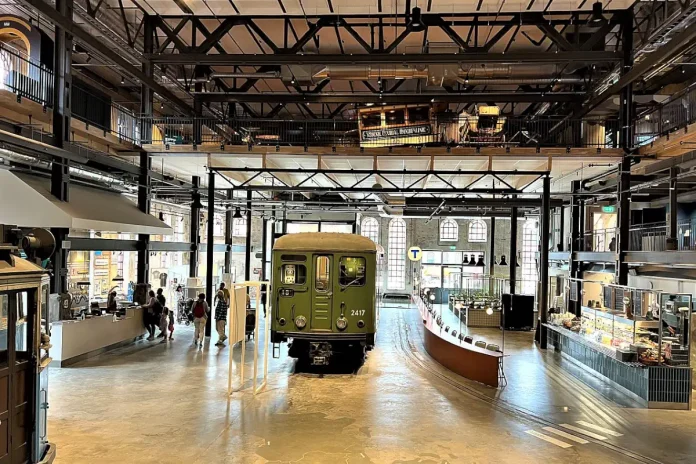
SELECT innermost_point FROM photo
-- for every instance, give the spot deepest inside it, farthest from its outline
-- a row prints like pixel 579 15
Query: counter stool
pixel 480 344
pixel 468 339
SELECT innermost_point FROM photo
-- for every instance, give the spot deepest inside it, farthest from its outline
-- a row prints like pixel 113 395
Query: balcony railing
pixel 438 131
pixel 675 113
pixel 648 237
pixel 34 82
pixel 601 240
pixel 25 78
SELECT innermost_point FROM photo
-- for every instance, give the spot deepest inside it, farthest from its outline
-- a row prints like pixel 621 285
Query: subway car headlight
pixel 341 323
pixel 281 321
pixel 300 322
pixel 361 324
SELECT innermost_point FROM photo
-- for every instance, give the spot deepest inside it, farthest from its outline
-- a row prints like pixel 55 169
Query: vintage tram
pixel 324 295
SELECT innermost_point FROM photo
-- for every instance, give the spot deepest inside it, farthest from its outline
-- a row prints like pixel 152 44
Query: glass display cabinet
pixel 24 359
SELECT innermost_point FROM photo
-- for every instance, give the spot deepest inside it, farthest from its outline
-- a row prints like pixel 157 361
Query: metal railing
pixel 438 131
pixel 675 113
pixel 600 240
pixel 34 82
pixel 25 78
pixel 648 237
pixel 686 233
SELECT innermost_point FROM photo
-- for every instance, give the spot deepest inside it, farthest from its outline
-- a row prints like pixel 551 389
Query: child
pixel 163 324
pixel 221 317
pixel 171 324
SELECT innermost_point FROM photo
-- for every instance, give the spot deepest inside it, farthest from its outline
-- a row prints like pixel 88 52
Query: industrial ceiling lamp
pixel 237 213
pixel 480 262
pixel 597 18
pixel 472 261
pixel 416 23
pixel 495 260
pixel 518 260
pixel 503 262
pixel 466 259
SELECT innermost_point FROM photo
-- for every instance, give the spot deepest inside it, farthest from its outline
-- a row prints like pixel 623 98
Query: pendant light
pixel 480 262
pixel 503 262
pixel 416 23
pixel 597 19
pixel 466 259
pixel 472 261
pixel 237 213
pixel 495 260
pixel 518 260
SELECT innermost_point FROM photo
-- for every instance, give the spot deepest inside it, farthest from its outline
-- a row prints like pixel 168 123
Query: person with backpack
pixel 200 317
pixel 161 321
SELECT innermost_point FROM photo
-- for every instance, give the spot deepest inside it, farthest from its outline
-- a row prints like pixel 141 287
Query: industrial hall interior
pixel 360 231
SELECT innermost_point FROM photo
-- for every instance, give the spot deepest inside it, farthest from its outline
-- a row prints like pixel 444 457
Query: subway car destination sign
pixel 394 132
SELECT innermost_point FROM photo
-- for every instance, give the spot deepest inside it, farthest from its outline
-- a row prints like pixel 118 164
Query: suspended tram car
pixel 324 290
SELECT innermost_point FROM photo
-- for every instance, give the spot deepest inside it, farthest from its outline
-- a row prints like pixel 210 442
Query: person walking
pixel 200 317
pixel 161 314
pixel 149 314
pixel 221 307
pixel 225 292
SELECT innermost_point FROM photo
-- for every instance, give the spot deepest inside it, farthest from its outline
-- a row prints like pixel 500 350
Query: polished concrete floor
pixel 167 403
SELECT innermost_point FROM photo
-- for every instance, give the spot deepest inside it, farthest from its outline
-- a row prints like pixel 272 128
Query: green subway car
pixel 324 295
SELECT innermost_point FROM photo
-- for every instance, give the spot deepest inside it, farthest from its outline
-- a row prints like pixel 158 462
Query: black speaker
pixel 518 312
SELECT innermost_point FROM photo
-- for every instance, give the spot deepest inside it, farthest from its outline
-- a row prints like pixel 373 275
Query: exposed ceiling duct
pixel 479 74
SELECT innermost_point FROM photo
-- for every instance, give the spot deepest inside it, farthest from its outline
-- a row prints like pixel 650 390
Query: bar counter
pixel 656 387
pixel 76 340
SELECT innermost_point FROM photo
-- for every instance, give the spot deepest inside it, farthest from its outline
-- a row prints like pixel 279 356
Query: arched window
pixel 370 228
pixel 449 230
pixel 477 231
pixel 239 226
pixel 530 246
pixel 396 259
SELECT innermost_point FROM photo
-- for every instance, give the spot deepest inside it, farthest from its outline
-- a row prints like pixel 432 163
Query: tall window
pixel 477 231
pixel 396 259
pixel 449 230
pixel 530 246
pixel 370 229
pixel 239 227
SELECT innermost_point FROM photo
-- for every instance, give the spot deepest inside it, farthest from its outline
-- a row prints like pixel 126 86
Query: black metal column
pixel 195 226
pixel 60 168
pixel 144 203
pixel 544 261
pixel 626 142
pixel 264 249
pixel 576 239
pixel 229 222
pixel 491 249
pixel 210 247
pixel 146 93
pixel 512 262
pixel 673 209
pixel 247 250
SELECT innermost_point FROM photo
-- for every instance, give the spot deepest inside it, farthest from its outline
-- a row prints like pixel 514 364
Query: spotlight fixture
pixel 237 213
pixel 416 23
pixel 597 19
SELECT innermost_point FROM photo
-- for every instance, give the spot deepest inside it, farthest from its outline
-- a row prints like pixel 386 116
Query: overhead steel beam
pixel 581 56
pixel 98 46
pixel 380 172
pixel 680 43
pixel 396 98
